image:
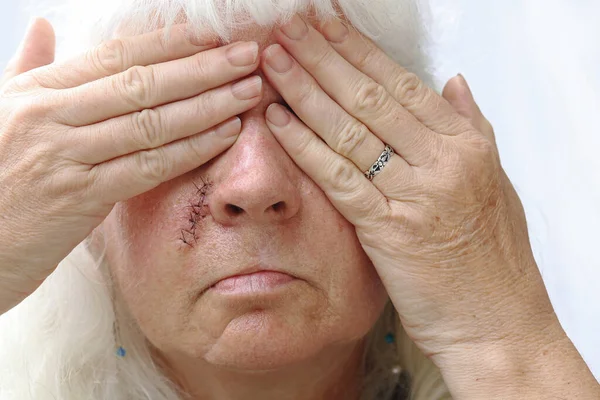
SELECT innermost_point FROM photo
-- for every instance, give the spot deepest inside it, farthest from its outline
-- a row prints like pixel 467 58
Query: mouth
pixel 255 282
pixel 254 279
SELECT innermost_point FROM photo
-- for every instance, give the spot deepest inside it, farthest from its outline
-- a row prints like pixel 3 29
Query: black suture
pixel 198 211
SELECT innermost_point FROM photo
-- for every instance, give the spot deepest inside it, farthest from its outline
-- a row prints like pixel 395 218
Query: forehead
pixel 261 34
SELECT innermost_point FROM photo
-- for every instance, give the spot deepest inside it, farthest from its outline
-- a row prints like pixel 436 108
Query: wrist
pixel 541 366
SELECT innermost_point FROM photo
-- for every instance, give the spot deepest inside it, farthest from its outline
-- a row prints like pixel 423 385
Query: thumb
pixel 458 93
pixel 36 50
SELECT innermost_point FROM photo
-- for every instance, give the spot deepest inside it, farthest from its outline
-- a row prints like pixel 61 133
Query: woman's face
pixel 249 207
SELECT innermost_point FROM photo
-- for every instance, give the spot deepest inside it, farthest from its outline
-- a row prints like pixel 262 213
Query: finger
pixel 342 132
pixel 459 95
pixel 36 50
pixel 346 187
pixel 406 87
pixel 155 127
pixel 358 94
pixel 136 173
pixel 119 55
pixel 141 87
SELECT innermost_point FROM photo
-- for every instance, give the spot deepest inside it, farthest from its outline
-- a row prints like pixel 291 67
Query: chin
pixel 262 340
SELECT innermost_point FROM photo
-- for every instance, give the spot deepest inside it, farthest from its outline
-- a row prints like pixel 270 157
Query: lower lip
pixel 263 281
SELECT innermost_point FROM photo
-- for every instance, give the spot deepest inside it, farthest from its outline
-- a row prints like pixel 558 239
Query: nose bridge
pixel 257 181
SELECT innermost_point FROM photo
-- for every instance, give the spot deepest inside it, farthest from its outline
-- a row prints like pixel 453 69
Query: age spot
pixel 197 210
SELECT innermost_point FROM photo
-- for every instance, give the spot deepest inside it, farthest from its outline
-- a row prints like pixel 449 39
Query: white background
pixel 533 67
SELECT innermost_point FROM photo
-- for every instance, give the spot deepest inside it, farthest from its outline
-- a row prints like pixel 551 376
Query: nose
pixel 257 182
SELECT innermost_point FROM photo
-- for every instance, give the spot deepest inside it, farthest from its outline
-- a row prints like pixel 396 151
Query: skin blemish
pixel 197 211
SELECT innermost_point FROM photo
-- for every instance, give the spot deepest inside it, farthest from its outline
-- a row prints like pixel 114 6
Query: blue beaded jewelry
pixel 389 338
pixel 121 351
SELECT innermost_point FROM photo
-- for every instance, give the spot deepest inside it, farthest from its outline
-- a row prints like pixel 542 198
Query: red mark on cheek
pixel 341 226
pixel 198 210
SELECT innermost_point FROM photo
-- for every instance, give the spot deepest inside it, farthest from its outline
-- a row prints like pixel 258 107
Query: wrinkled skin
pixel 250 205
pixel 441 222
pixel 337 298
pixel 441 225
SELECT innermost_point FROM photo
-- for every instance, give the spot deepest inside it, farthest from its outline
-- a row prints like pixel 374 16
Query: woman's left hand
pixel 441 222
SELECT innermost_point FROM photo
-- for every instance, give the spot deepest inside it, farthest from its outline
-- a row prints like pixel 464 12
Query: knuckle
pixel 209 104
pixel 138 82
pixel 365 58
pixel 476 148
pixel 487 153
pixel 468 169
pixel 152 164
pixel 352 138
pixel 33 109
pixel 304 95
pixel 19 117
pixel 164 44
pixel 109 56
pixel 20 84
pixel 321 58
pixel 342 175
pixel 409 87
pixel 371 97
pixel 459 125
pixel 304 146
pixel 486 147
pixel 149 128
pixel 13 85
pixel 196 146
pixel 202 64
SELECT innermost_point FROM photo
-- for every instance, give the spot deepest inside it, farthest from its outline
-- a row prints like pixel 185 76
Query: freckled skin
pixel 250 205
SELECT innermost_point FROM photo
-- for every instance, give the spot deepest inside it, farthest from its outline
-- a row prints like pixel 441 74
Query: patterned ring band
pixel 380 163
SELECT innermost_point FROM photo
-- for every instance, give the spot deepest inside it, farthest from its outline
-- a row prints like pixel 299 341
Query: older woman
pixel 251 200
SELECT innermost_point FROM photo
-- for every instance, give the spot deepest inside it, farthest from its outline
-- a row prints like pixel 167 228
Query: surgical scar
pixel 198 210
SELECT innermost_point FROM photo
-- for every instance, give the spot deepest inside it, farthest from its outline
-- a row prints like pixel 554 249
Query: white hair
pixel 60 342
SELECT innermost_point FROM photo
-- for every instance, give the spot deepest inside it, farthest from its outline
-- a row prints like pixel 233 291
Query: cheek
pixel 352 284
pixel 143 262
pixel 141 230
pixel 155 298
pixel 134 229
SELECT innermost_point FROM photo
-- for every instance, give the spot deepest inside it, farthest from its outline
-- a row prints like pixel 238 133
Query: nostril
pixel 278 206
pixel 233 209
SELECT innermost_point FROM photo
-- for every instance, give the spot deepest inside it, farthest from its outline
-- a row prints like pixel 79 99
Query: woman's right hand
pixel 80 136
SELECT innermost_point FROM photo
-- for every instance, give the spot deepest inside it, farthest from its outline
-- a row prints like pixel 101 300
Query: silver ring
pixel 380 163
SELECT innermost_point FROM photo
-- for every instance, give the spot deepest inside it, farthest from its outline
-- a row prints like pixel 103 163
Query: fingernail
pixel 248 88
pixel 278 115
pixel 230 128
pixel 243 54
pixel 279 59
pixel 295 29
pixel 335 31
